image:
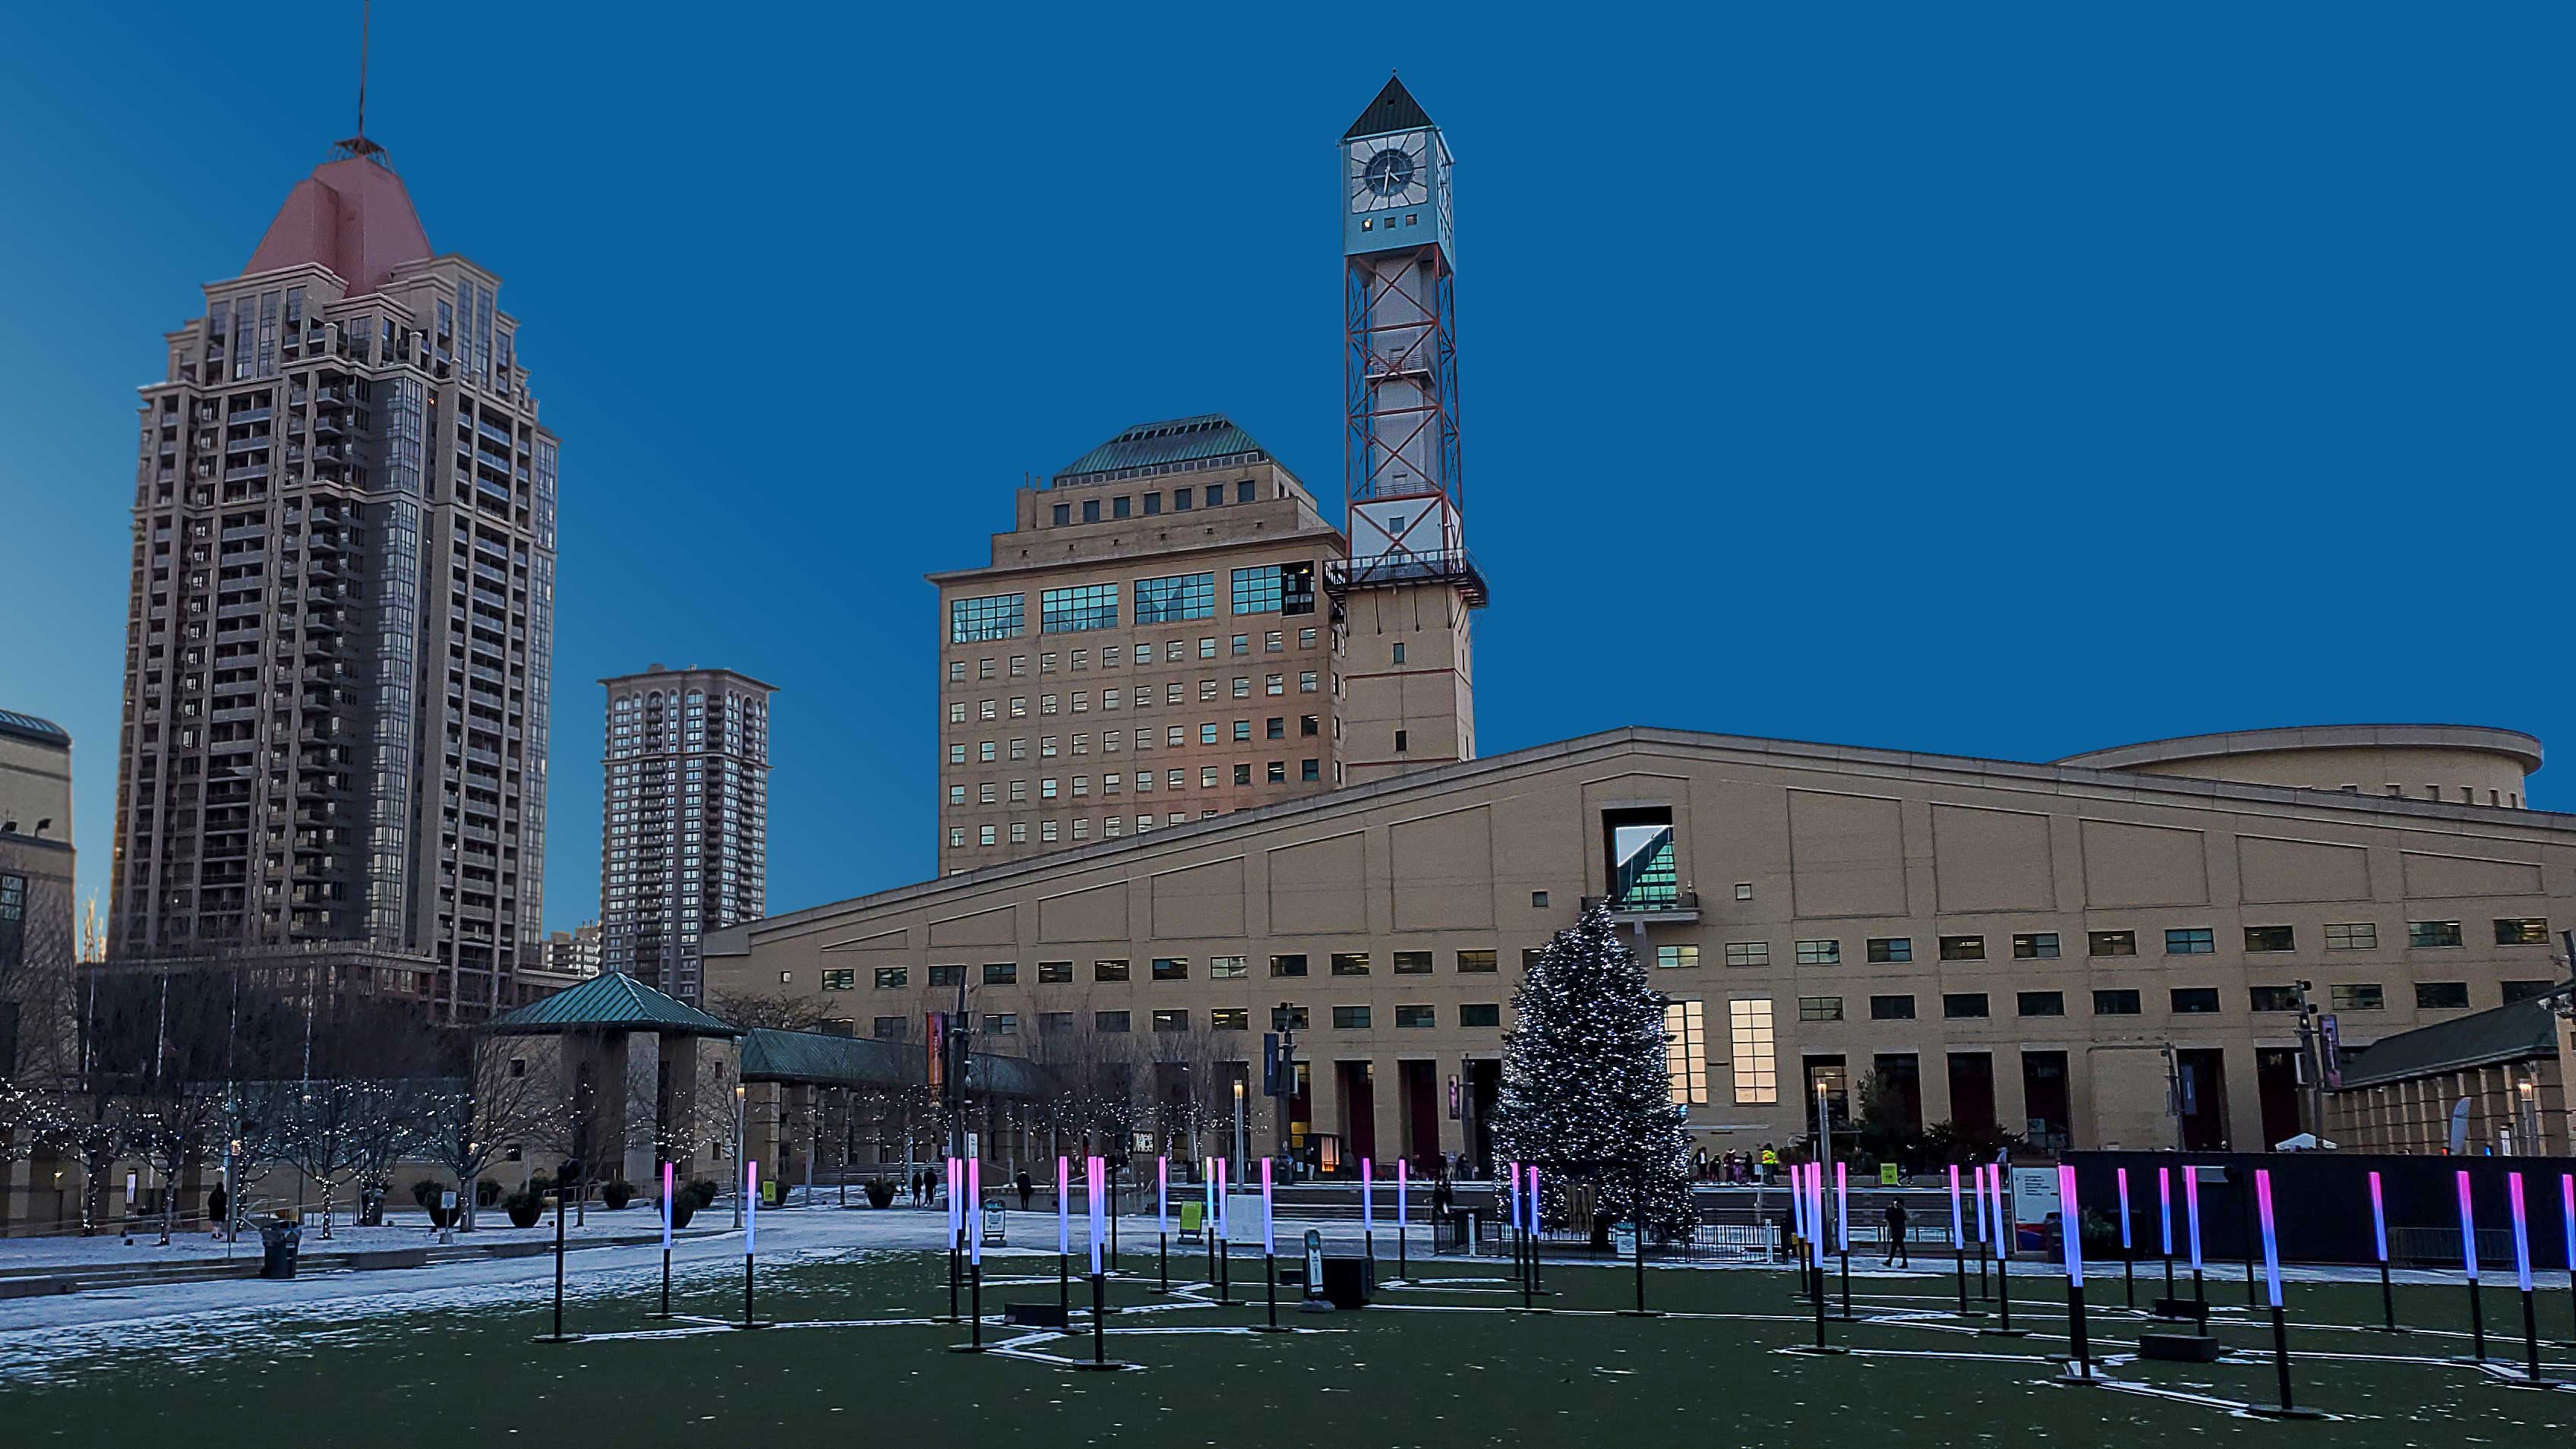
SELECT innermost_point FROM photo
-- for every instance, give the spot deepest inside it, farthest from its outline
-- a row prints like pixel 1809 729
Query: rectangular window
pixel 1350 1018
pixel 1001 1023
pixel 2441 995
pixel 1685 1051
pixel 841 978
pixel 1108 970
pixel 947 975
pixel 2431 934
pixel 2117 1001
pixel 1412 963
pixel 1177 597
pixel 1476 962
pixel 1001 973
pixel 2271 938
pixel 2111 943
pixel 1172 1019
pixel 1227 968
pixel 1820 1008
pixel 2365 996
pixel 1079 608
pixel 1052 973
pixel 1489 1013
pixel 1055 1023
pixel 1820 953
pixel 1958 1005
pixel 1891 1008
pixel 2195 1000
pixel 891 1028
pixel 1171 968
pixel 1748 953
pixel 2191 941
pixel 2039 1003
pixel 2525 990
pixel 1963 948
pixel 1292 965
pixel 1409 1017
pixel 892 977
pixel 1294 1018
pixel 1350 963
pixel 1111 1022
pixel 2035 946
pixel 2521 931
pixel 1757 1066
pixel 1230 1018
pixel 1891 949
pixel 996 616
pixel 1676 957
pixel 2352 936
pixel 2272 998
pixel 1257 590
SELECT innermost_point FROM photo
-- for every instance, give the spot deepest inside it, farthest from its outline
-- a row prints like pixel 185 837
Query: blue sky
pixel 1999 380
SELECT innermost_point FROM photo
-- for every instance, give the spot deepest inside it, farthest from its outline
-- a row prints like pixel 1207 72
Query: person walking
pixel 1770 1165
pixel 1896 1233
pixel 1025 1186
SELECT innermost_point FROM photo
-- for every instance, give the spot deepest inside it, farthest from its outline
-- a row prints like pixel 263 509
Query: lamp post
pixel 738 1108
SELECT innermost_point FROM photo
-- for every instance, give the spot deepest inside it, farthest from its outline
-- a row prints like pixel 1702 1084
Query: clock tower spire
pixel 1403 598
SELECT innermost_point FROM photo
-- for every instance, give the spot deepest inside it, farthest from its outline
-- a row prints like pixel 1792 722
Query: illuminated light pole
pixel 956 1182
pixel 966 1180
pixel 2164 1217
pixel 2469 1262
pixel 1403 1229
pixel 1270 1251
pixel 1958 1241
pixel 1842 1232
pixel 2522 1280
pixel 1807 1186
pixel 1512 1211
pixel 666 1243
pixel 2379 1243
pixel 2567 1226
pixel 2191 1221
pixel 1096 1172
pixel 2128 1249
pixel 2070 1233
pixel 738 1108
pixel 1977 1190
pixel 2280 1325
pixel 1532 1218
pixel 2003 1257
pixel 1163 1218
pixel 1064 1238
pixel 750 1234
pixel 1368 1219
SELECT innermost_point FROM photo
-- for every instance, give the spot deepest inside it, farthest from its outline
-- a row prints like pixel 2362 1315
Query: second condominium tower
pixel 341 627
pixel 684 831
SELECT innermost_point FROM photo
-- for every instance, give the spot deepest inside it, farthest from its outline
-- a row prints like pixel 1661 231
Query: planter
pixel 684 1206
pixel 616 1195
pixel 880 1193
pixel 524 1211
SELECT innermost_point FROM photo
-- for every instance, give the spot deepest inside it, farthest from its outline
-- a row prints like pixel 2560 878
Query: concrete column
pixel 640 1111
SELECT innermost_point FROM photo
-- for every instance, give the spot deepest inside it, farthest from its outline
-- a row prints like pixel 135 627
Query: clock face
pixel 1390 171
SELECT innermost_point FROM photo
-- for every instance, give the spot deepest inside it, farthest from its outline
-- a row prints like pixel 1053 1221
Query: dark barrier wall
pixel 2321 1205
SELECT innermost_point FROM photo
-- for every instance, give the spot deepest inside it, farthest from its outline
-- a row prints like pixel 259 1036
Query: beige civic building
pixel 2114 950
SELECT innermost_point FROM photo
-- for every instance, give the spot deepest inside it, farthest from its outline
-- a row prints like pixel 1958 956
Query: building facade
pixel 39 1039
pixel 684 832
pixel 341 624
pixel 574 953
pixel 2037 949
pixel 1147 647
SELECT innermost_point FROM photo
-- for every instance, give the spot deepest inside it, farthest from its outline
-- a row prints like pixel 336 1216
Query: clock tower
pixel 1402 599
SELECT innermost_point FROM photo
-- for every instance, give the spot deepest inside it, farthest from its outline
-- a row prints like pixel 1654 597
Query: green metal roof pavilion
pixel 611 1001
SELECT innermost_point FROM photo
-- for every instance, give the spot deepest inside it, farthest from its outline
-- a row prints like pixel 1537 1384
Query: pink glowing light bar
pixel 2521 1233
pixel 2191 1210
pixel 750 1203
pixel 2271 1239
pixel 2468 1230
pixel 1269 1237
pixel 2121 1174
pixel 1533 1201
pixel 1958 1233
pixel 972 1173
pixel 1163 1192
pixel 1368 1197
pixel 1512 1193
pixel 956 1198
pixel 1842 1209
pixel 1063 1205
pixel 2164 1205
pixel 666 1207
pixel 1977 1189
pixel 2378 1218
pixel 2070 1226
pixel 2567 1216
pixel 1400 1184
pixel 1094 1183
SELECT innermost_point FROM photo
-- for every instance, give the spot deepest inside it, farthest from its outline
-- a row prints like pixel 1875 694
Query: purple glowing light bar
pixel 1063 1205
pixel 1512 1194
pixel 2191 1210
pixel 2378 1218
pixel 1533 1201
pixel 2468 1230
pixel 2567 1216
pixel 2271 1239
pixel 1094 1183
pixel 2121 1174
pixel 1269 1233
pixel 972 1174
pixel 2070 1226
pixel 1842 1210
pixel 2521 1233
pixel 1163 1192
pixel 750 1204
pixel 666 1207
pixel 1958 1233
pixel 1977 1187
pixel 1402 1180
pixel 2164 1205
pixel 1368 1196
pixel 956 1198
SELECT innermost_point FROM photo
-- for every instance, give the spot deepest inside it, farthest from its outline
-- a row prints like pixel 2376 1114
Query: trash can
pixel 277 1243
pixel 1348 1282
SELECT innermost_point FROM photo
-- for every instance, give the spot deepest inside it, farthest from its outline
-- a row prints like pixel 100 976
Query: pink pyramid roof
pixel 350 215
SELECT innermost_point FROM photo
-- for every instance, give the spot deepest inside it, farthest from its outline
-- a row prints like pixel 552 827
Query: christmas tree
pixel 1586 1098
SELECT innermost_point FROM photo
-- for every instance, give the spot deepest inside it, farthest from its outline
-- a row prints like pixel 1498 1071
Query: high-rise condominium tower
pixel 684 833
pixel 342 620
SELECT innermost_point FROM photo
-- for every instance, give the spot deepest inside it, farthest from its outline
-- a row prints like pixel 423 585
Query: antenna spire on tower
pixel 358 145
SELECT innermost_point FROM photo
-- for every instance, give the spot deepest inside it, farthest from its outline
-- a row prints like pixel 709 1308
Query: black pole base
pixel 1113 1366
pixel 1813 1350
pixel 1642 1313
pixel 965 1348
pixel 559 1338
pixel 2004 1332
pixel 2284 1411
pixel 1272 1328
pixel 752 1323
pixel 2075 1372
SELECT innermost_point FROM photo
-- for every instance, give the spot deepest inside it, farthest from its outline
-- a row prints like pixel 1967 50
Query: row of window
pixel 2185 941
pixel 1287 589
pixel 1173 736
pixel 1275 772
pixel 2182 1000
pixel 1175 651
pixel 1183 500
pixel 1237 1018
pixel 1162 968
pixel 1174 692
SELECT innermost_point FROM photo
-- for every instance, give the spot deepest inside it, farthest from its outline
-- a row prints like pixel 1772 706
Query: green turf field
pixel 1442 1362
